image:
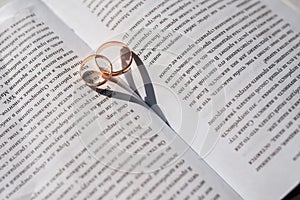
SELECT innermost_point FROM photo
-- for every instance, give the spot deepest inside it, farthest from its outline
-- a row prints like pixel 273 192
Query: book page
pixel 293 4
pixel 61 139
pixel 234 69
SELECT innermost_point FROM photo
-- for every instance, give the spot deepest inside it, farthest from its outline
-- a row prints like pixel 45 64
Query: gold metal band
pixel 104 74
pixel 116 43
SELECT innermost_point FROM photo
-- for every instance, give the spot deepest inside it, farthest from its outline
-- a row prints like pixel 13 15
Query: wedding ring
pixel 99 75
pixel 126 57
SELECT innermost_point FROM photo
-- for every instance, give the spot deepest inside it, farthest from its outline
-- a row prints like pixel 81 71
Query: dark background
pixel 294 194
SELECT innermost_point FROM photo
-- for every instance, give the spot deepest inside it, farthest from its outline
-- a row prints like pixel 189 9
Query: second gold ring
pixel 121 59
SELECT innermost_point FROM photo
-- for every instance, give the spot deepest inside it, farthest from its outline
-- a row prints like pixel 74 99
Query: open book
pixel 223 73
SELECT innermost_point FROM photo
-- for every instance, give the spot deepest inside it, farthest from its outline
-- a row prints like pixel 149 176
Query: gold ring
pixel 116 43
pixel 104 74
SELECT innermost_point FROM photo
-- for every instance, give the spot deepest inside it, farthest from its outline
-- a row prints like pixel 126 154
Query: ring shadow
pixel 150 98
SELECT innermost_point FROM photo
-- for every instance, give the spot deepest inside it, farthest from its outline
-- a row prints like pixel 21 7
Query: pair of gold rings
pixel 106 60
